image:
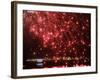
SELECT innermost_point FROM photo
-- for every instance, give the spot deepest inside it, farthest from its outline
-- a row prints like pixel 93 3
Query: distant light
pixel 39 60
pixel 39 64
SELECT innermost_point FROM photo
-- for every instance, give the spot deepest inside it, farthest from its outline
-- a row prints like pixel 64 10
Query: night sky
pixel 56 39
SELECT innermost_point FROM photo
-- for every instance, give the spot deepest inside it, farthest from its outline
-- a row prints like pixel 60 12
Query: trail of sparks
pixel 58 37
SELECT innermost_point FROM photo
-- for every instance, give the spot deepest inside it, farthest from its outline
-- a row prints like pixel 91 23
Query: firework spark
pixel 56 39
